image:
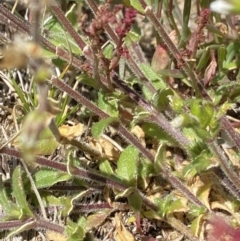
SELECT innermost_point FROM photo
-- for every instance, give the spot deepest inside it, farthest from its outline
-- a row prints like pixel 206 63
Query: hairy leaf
pixel 55 33
pixel 19 193
pixel 106 168
pixel 108 104
pixel 136 4
pixel 48 177
pixel 127 164
pixel 98 127
pixel 11 210
pixel 74 231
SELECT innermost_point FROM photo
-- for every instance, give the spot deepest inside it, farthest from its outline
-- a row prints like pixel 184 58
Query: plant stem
pixel 32 224
pixel 234 136
pixel 180 226
pixel 131 63
pixel 227 183
pixel 82 100
pixel 15 224
pixel 197 85
pixel 225 165
pixel 127 135
pixel 155 116
pixel 66 24
pixel 77 172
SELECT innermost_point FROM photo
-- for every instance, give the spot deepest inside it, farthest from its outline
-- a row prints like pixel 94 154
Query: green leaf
pixel 137 5
pixel 48 54
pixel 135 201
pixel 66 203
pixel 19 193
pixel 146 168
pixel 186 15
pixel 160 158
pixel 177 206
pixel 108 51
pixel 74 231
pixel 177 104
pixel 106 168
pixel 152 130
pixel 196 211
pixel 49 199
pixel 46 144
pixel 98 127
pixel 85 79
pixel 200 163
pixel 48 177
pixel 161 99
pixel 182 120
pixel 108 104
pixel 204 112
pixel 55 34
pixel 127 165
pixel 175 73
pixel 196 108
pixel 71 15
pixel 202 62
pixel 131 38
pixel 11 210
pixel 147 93
pixel 21 95
pixel 155 78
pixel 197 224
pixel 222 52
pixel 164 205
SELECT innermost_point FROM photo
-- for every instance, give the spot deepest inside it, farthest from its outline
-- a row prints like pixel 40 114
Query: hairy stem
pixel 197 85
pixel 127 135
pixel 77 172
pixel 32 224
pixel 83 101
pixel 67 25
pixel 156 116
pixel 234 136
pixel 225 165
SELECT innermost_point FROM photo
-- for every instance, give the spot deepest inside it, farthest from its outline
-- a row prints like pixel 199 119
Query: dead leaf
pixel 203 194
pixel 54 236
pixel 202 186
pixel 161 57
pixel 105 147
pixel 210 70
pixel 121 233
pixel 139 133
pixel 223 205
pixel 71 132
pixel 96 219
